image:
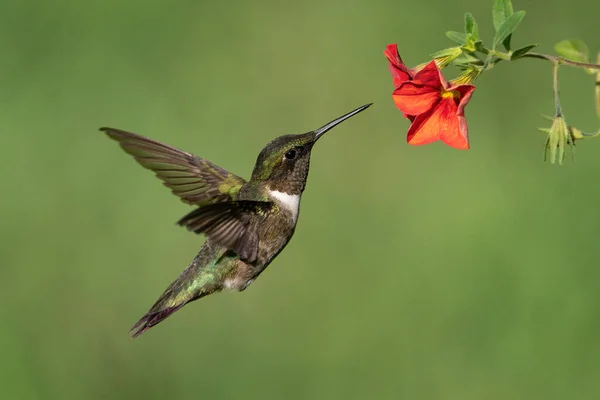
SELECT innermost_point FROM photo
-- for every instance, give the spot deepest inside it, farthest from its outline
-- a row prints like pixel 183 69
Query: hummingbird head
pixel 284 162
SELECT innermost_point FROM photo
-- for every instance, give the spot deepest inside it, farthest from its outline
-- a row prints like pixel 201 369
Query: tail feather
pixel 201 278
pixel 152 318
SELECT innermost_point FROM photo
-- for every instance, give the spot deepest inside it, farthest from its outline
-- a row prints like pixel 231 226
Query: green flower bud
pixel 559 136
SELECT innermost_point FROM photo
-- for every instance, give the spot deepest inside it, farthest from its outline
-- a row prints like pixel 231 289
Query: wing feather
pixel 230 225
pixel 195 180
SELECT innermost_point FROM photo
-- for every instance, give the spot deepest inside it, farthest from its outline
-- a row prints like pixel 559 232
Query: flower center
pixel 450 94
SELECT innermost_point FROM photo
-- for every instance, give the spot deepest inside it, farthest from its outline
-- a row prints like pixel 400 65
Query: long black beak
pixel 319 132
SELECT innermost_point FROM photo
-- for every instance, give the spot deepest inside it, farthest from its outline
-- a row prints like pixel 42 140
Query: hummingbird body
pixel 247 224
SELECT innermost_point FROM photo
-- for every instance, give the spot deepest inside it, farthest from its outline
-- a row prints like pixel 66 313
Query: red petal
pixel 414 99
pixel 462 135
pixel 419 132
pixel 440 123
pixel 400 72
pixel 430 75
pixel 466 91
pixel 420 94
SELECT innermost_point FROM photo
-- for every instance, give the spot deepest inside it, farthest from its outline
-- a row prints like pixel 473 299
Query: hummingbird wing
pixel 230 225
pixel 195 180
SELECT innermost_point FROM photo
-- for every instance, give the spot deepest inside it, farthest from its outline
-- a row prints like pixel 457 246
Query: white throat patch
pixel 290 201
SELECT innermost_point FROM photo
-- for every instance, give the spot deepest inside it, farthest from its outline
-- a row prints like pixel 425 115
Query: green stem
pixel 597 88
pixel 500 55
pixel 591 134
pixel 579 134
pixel 555 88
pixel 561 60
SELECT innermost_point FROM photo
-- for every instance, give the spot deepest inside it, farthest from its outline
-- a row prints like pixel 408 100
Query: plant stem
pixel 501 55
pixel 555 65
pixel 561 60
pixel 597 88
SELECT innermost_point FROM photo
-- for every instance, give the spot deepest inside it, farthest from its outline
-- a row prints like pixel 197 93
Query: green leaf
pixel 481 48
pixel 501 11
pixel 575 50
pixel 508 27
pixel 469 45
pixel 522 51
pixel 506 42
pixel 471 27
pixel 457 37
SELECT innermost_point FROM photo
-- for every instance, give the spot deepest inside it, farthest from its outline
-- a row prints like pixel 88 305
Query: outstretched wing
pixel 195 180
pixel 229 225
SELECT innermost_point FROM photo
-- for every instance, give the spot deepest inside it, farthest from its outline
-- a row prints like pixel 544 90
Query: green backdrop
pixel 414 273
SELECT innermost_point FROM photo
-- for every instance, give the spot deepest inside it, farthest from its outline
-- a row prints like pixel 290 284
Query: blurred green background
pixel 414 273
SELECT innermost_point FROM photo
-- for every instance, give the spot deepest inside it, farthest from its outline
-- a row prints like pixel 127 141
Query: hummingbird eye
pixel 290 154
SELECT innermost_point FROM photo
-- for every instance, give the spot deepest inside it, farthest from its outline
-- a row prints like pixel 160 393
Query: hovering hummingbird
pixel 247 224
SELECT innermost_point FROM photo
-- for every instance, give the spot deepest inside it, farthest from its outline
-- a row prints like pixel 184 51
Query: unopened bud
pixel 558 138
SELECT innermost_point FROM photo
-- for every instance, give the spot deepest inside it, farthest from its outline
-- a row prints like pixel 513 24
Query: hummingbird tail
pixel 152 318
pixel 199 279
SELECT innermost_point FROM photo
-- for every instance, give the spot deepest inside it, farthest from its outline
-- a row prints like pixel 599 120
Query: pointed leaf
pixel 457 37
pixel 481 48
pixel 508 27
pixel 575 50
pixel 501 11
pixel 522 51
pixel 506 42
pixel 471 27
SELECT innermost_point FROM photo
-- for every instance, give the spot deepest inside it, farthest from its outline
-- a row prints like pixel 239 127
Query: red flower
pixel 400 72
pixel 439 107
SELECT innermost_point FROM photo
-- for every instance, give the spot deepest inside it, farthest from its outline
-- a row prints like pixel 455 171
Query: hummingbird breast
pixel 274 232
pixel 289 202
pixel 277 228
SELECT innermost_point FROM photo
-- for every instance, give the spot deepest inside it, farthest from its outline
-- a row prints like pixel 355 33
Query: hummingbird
pixel 246 223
